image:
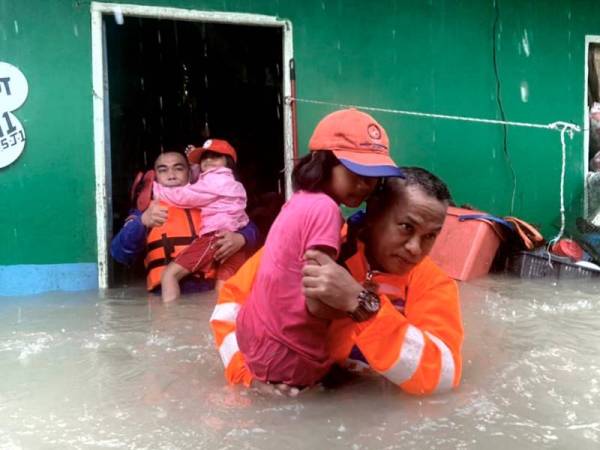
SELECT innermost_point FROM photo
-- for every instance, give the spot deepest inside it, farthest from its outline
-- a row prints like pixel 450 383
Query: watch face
pixel 371 303
pixel 368 306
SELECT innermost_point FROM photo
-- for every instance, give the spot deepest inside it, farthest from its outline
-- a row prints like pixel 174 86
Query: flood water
pixel 115 370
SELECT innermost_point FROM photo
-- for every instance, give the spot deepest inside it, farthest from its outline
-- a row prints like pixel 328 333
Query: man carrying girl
pixel 398 313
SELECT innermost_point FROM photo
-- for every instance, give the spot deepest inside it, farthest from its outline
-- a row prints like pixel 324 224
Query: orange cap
pixel 213 145
pixel 358 141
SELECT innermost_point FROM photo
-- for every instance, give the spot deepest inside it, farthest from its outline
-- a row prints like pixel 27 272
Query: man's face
pixel 404 235
pixel 172 170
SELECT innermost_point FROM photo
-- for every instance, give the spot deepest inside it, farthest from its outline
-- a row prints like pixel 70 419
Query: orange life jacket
pixel 164 243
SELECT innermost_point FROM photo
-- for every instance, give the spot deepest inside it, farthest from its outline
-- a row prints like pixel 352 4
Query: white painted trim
pixel 586 120
pixel 98 88
pixel 99 146
pixel 288 131
pixel 161 12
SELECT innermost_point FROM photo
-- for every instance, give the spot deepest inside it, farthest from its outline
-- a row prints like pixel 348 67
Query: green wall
pixel 434 56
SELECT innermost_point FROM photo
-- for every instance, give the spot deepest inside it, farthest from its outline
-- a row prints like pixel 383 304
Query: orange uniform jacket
pixel 165 242
pixel 414 341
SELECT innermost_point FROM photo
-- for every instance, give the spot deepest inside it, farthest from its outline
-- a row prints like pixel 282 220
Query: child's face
pixel 211 160
pixel 348 188
pixel 172 170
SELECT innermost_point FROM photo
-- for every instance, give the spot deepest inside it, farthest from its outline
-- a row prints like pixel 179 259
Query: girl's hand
pixel 227 244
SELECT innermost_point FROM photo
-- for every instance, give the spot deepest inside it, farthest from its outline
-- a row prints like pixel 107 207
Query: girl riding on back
pixel 280 332
pixel 222 200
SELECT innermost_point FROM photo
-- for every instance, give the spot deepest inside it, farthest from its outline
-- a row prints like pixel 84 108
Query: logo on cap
pixel 374 132
pixel 207 144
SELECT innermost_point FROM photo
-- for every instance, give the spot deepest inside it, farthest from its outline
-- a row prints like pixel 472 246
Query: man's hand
pixel 325 280
pixel 155 215
pixel 227 244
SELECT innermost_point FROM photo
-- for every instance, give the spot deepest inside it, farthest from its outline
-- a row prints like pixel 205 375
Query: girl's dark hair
pixel 229 162
pixel 312 173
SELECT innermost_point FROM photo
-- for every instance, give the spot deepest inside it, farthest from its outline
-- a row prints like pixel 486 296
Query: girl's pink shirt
pixel 217 193
pixel 280 340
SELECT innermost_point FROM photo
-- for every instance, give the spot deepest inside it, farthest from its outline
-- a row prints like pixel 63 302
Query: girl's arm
pixel 322 223
pixel 319 309
pixel 315 306
pixel 196 195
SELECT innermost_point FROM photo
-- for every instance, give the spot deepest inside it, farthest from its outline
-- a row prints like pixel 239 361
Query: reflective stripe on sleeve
pixel 447 365
pixel 226 312
pixel 410 356
pixel 228 348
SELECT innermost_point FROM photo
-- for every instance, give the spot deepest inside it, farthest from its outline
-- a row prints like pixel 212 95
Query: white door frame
pixel 590 39
pixel 100 98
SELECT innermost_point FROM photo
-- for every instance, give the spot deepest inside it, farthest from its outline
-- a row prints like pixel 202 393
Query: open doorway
pixel 593 97
pixel 591 219
pixel 179 77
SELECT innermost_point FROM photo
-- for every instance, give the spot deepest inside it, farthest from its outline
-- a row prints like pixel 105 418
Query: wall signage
pixel 13 93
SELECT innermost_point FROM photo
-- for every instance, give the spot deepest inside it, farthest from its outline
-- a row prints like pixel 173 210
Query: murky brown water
pixel 113 370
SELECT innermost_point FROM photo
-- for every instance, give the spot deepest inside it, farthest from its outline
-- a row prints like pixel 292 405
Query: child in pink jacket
pixel 222 200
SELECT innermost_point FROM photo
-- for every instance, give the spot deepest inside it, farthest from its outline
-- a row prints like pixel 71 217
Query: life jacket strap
pixel 157 263
pixel 190 221
pixel 169 243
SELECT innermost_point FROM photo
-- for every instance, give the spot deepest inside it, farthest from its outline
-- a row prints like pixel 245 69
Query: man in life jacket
pixel 400 313
pixel 159 231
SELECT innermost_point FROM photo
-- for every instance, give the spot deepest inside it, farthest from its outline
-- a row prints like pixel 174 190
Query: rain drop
pixel 118 13
pixel 524 91
pixel 525 44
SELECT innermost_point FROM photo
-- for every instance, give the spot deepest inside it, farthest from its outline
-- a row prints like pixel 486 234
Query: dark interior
pixel 593 95
pixel 174 83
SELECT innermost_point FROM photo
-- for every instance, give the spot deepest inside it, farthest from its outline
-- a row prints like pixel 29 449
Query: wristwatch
pixel 368 306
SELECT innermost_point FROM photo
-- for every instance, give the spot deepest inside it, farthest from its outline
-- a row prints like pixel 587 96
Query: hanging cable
pixel 550 126
pixel 563 130
pixel 562 127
